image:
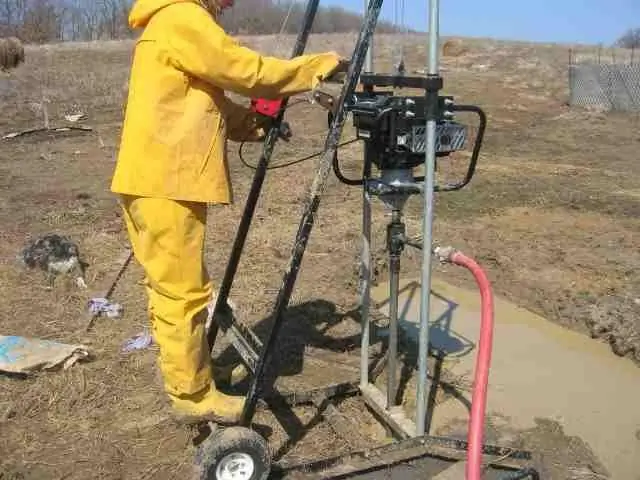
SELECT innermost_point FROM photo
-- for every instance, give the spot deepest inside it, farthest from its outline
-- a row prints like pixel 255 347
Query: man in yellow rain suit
pixel 172 163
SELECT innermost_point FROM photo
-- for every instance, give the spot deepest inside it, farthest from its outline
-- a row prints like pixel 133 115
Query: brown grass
pixel 552 215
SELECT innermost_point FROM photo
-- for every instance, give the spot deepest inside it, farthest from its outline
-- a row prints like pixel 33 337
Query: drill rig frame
pixel 400 134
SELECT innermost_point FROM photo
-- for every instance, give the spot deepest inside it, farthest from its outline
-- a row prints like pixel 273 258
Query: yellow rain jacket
pixel 178 119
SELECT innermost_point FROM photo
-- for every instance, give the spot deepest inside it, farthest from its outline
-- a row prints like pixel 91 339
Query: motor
pixel 394 131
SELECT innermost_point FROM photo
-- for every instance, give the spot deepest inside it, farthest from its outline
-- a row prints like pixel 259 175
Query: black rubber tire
pixel 229 440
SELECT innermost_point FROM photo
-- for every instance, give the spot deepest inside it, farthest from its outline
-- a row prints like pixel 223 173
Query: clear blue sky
pixel 579 21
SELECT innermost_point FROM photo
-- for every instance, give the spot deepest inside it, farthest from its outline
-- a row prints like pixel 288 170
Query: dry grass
pixel 551 214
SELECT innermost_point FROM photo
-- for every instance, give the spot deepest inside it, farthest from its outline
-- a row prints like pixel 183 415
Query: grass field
pixel 551 214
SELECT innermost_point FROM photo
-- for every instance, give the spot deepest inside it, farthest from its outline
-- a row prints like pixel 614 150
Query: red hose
pixel 483 364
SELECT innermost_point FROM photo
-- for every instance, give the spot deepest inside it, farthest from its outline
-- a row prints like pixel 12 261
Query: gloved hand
pixel 339 73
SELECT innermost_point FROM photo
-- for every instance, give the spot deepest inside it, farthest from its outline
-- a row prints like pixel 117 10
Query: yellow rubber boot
pixel 208 405
pixel 168 240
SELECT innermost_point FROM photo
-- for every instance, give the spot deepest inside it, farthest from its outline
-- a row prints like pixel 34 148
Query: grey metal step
pixel 455 472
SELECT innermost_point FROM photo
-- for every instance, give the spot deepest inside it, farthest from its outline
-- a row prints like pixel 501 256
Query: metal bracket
pixel 325 100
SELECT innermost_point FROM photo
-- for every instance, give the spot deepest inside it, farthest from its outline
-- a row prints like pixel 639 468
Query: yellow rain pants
pixel 167 238
pixel 172 159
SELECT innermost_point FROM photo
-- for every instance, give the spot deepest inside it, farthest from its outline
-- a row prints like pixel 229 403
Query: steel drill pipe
pixel 475 435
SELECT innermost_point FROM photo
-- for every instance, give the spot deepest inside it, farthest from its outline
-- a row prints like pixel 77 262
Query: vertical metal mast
pixel 365 277
pixel 368 62
pixel 365 254
pixel 427 222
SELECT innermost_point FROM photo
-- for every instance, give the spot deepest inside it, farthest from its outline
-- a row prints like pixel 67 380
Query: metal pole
pixel 368 62
pixel 427 226
pixel 394 287
pixel 365 272
pixel 365 260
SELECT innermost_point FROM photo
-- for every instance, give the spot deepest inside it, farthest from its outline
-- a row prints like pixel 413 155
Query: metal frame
pixel 246 343
pixel 445 449
pixel 256 355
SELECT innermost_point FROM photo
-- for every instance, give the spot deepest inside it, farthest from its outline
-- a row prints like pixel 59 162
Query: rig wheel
pixel 234 453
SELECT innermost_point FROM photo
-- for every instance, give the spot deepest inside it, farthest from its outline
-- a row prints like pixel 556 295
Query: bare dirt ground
pixel 550 214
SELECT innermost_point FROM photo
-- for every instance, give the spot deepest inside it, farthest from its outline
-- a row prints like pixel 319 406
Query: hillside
pixel 551 215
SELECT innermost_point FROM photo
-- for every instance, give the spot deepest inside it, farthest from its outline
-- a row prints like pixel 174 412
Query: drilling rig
pixel 399 134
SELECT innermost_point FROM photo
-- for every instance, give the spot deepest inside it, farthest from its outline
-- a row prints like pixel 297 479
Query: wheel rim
pixel 235 466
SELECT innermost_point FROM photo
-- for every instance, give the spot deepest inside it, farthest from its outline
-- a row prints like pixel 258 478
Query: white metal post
pixel 368 63
pixel 365 254
pixel 427 230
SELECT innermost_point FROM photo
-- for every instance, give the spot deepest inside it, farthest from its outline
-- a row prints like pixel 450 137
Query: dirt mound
pixel 556 454
pixel 616 320
pixel 454 48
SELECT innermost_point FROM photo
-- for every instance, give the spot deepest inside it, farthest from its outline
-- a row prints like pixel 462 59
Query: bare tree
pixel 74 20
pixel 113 14
pixel 39 21
pixel 630 39
pixel 12 16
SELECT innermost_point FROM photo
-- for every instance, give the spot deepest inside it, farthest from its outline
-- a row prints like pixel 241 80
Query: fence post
pixel 599 53
pixel 570 76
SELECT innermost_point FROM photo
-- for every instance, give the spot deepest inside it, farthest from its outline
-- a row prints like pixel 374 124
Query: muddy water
pixel 540 372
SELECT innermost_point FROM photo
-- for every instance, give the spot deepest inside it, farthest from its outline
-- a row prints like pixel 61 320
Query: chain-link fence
pixel 610 82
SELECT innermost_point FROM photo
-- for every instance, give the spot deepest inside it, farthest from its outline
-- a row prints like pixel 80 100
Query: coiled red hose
pixel 475 435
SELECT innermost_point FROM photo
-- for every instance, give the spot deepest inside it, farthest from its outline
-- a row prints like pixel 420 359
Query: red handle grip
pixel 268 108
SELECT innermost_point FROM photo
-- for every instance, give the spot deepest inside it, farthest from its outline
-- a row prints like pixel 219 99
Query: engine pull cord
pixel 293 162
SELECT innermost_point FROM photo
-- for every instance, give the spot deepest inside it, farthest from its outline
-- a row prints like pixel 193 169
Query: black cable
pixel 336 163
pixel 293 162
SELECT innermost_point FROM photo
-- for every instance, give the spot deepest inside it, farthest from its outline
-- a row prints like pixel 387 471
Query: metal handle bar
pixel 437 188
pixel 476 148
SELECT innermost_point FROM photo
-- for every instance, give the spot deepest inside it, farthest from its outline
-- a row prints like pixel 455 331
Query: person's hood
pixel 142 10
